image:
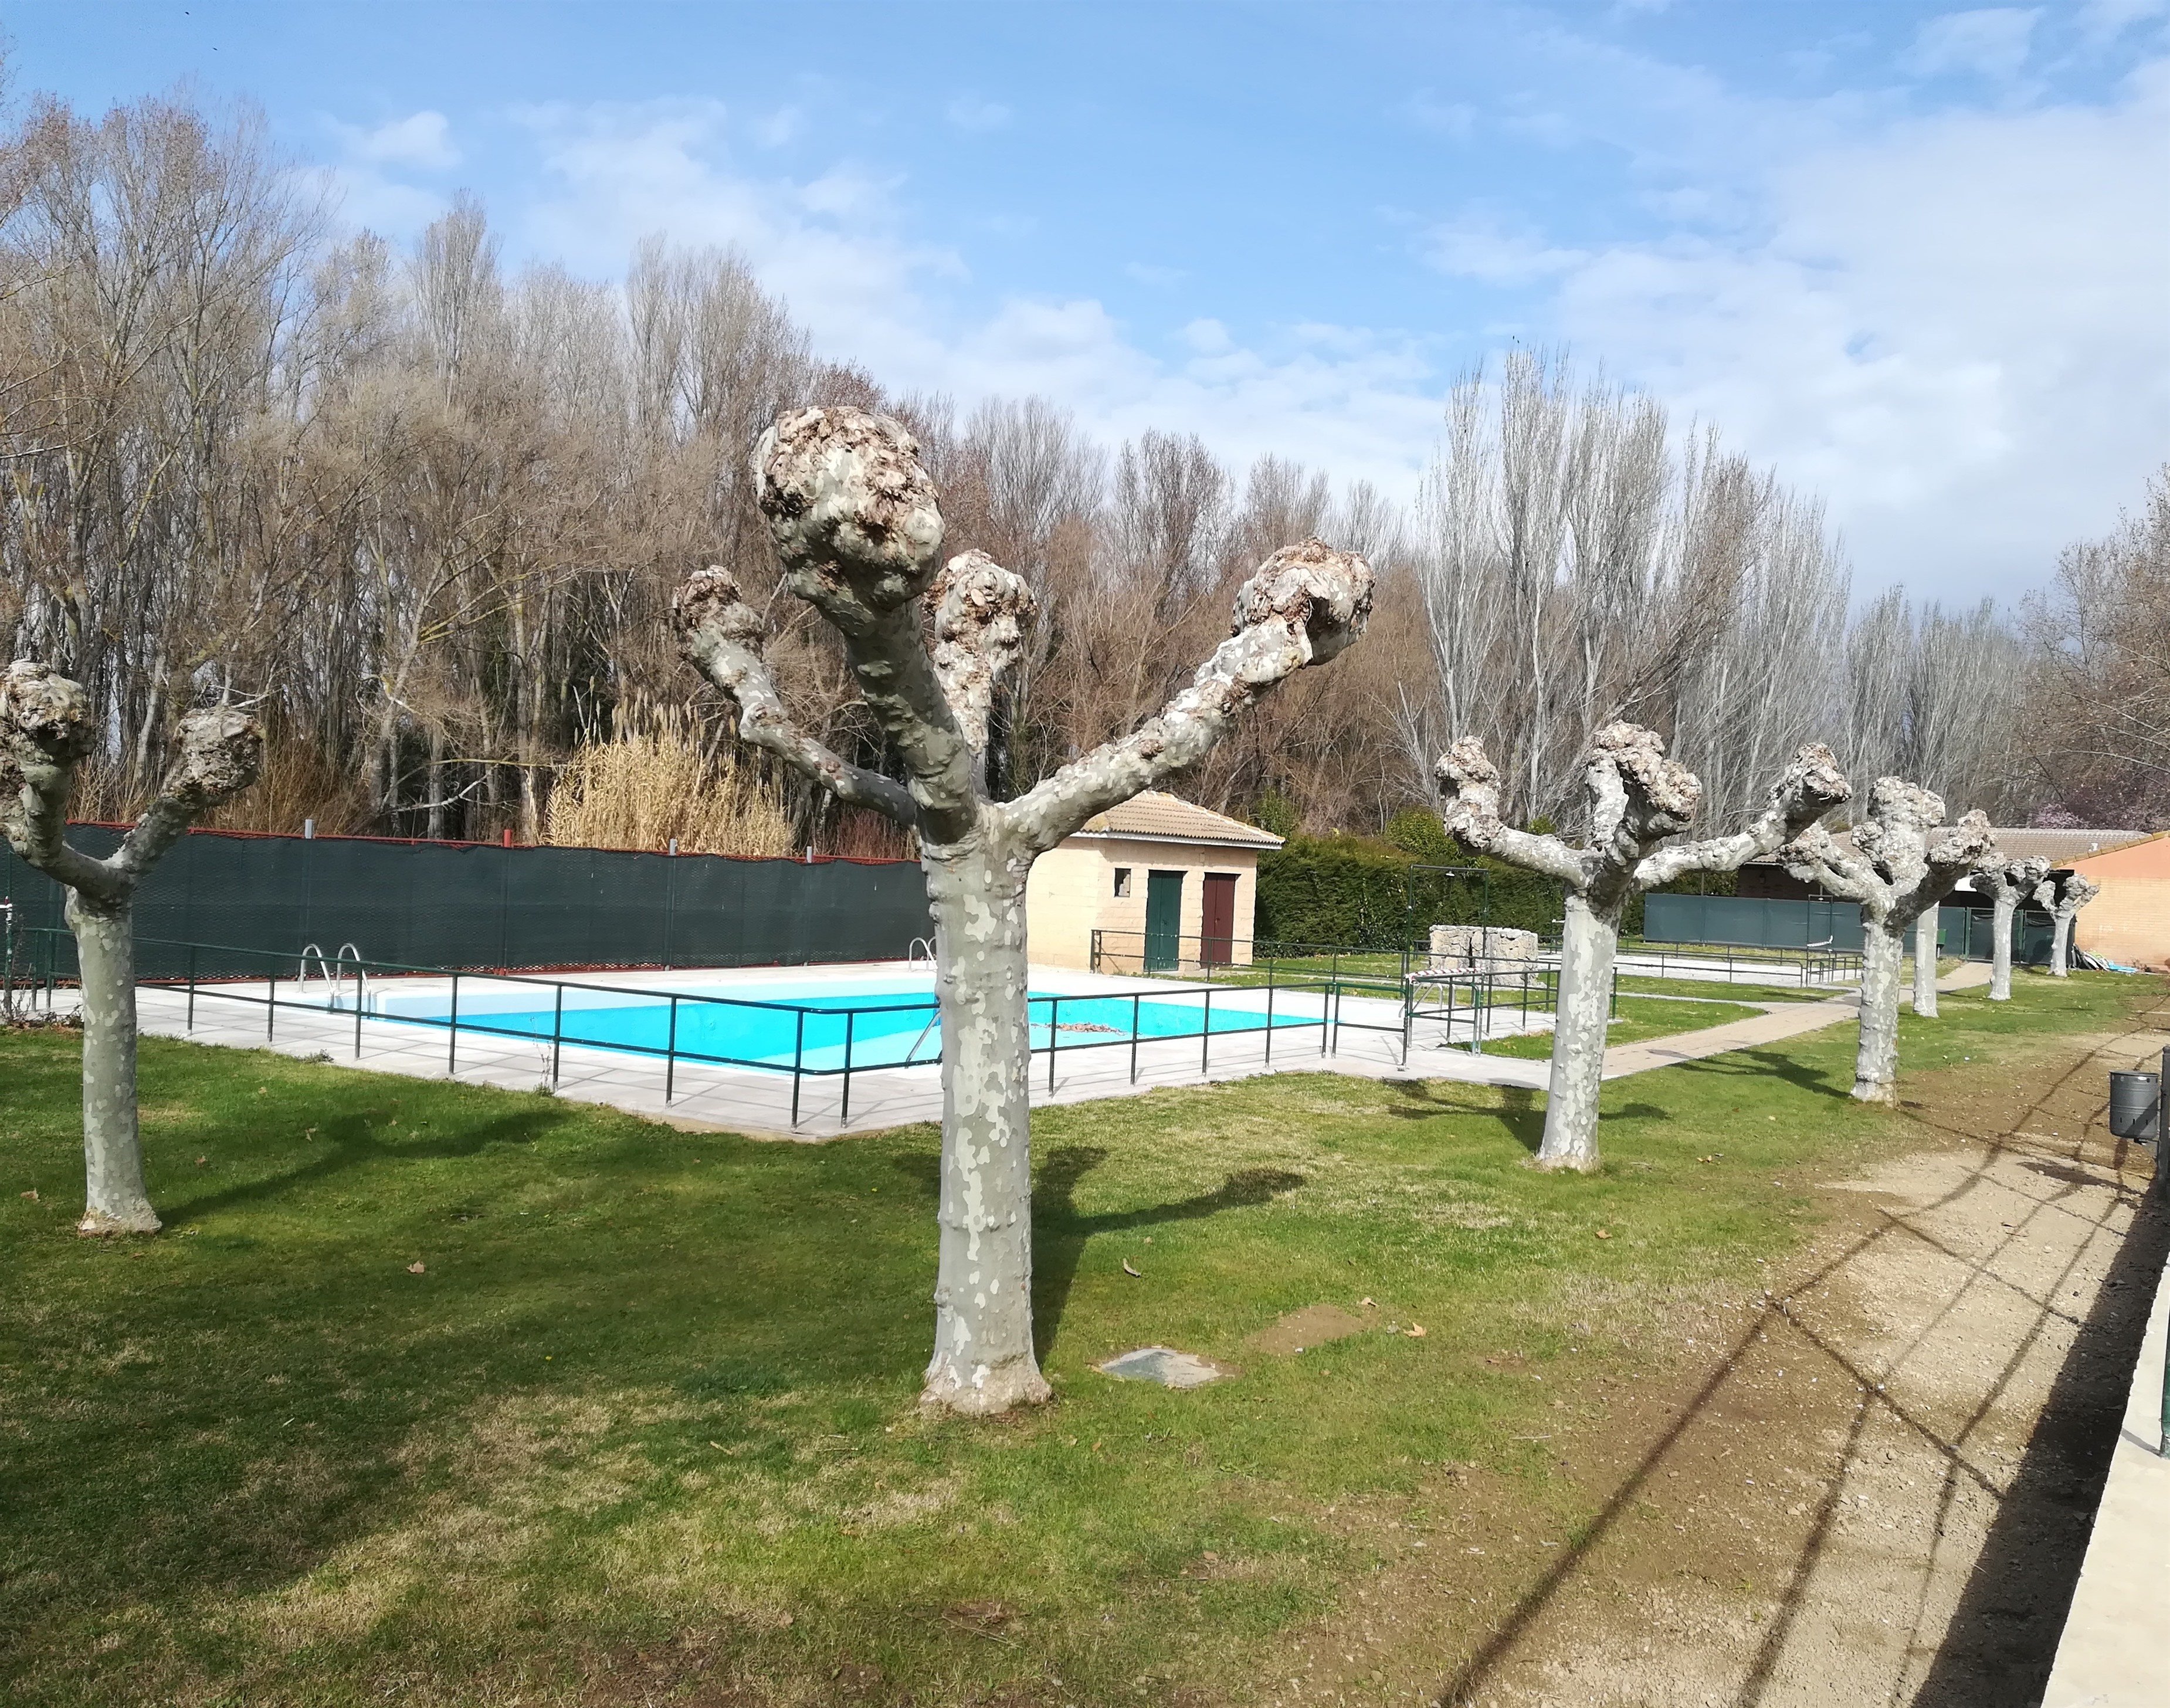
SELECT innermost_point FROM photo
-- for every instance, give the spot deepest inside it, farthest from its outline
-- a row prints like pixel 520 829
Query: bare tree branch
pixel 1306 603
pixel 722 635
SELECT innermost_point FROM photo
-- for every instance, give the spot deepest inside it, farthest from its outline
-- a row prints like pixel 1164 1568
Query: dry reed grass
pixel 654 782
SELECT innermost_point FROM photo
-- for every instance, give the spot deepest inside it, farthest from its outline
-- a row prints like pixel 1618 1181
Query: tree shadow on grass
pixel 1061 1230
pixel 1518 1112
pixel 349 1142
pixel 1765 1064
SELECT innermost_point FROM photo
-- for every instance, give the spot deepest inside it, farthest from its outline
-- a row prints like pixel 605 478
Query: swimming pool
pixel 823 1029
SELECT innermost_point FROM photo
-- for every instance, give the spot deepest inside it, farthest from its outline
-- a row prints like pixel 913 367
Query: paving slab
pixel 2115 1649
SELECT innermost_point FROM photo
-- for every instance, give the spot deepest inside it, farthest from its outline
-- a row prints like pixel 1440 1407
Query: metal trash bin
pixel 2134 1106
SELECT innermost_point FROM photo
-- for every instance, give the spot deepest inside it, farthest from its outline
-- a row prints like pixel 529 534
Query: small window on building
pixel 1122 881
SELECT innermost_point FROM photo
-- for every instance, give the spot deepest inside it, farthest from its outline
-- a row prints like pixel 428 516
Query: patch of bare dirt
pixel 1314 1325
pixel 1873 1488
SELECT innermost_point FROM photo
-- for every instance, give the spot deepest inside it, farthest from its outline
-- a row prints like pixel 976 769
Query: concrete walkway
pixel 1777 1020
pixel 2115 1649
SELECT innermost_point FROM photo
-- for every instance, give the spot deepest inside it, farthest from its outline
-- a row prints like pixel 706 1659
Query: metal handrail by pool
pixel 1333 1017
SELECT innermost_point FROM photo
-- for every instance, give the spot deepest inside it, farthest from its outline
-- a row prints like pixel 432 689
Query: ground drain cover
pixel 1166 1366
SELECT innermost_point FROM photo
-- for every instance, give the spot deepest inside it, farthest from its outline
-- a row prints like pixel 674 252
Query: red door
pixel 1218 927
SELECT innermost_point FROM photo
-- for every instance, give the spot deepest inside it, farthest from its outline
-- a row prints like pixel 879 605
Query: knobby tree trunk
pixel 983 1343
pixel 1925 965
pixel 2007 883
pixel 2064 896
pixel 46 731
pixel 2004 909
pixel 115 1200
pixel 1898 863
pixel 1638 799
pixel 1589 938
pixel 1876 1062
pixel 857 523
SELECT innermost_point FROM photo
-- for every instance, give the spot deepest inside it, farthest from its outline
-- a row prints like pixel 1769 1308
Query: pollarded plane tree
pixel 2064 894
pixel 858 524
pixel 2007 883
pixel 47 730
pixel 1638 800
pixel 1900 862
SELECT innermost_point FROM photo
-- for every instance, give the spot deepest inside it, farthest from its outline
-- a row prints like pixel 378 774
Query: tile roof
pixel 2062 846
pixel 1161 817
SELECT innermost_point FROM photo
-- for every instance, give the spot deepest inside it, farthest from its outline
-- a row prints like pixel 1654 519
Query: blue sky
pixel 1916 257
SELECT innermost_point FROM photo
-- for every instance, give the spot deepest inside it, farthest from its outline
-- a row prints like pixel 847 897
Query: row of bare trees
pixel 2100 683
pixel 423 512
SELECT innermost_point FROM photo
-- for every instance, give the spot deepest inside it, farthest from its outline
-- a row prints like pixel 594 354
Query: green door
pixel 1164 921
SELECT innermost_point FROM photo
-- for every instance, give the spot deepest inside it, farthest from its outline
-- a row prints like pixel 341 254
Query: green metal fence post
pixel 851 1015
pixel 453 1030
pixel 797 1063
pixel 670 1054
pixel 557 1034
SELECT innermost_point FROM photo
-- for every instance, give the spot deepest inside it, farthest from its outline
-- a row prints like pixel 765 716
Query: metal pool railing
pixel 1241 960
pixel 217 974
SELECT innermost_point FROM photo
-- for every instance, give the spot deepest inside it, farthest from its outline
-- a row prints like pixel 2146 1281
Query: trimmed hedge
pixel 1354 892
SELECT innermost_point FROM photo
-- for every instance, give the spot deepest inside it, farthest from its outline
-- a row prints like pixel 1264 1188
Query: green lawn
pixel 642 1429
pixel 1636 1020
pixel 1638 985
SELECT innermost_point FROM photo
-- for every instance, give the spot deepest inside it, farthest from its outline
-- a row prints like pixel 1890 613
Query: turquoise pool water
pixel 885 1030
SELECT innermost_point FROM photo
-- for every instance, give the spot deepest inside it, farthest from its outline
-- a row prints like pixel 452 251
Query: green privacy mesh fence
pixel 467 905
pixel 1772 923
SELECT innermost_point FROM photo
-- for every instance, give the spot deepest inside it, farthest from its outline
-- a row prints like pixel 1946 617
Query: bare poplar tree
pixel 1898 863
pixel 2007 883
pixel 46 730
pixel 1638 801
pixel 857 523
pixel 2064 895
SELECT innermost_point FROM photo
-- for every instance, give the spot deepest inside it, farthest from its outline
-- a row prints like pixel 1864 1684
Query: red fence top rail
pixel 520 847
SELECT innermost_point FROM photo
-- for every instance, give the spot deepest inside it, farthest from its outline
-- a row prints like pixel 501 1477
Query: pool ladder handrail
pixel 934 1021
pixel 333 973
pixel 911 954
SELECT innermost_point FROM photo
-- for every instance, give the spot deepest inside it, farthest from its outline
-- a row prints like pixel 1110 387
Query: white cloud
pixel 1953 327
pixel 421 139
pixel 367 185
pixel 1426 112
pixel 2102 21
pixel 1992 43
pixel 837 248
pixel 971 113
pixel 1477 247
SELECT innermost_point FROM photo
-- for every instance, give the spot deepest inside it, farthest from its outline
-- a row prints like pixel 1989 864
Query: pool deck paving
pixel 1367 1042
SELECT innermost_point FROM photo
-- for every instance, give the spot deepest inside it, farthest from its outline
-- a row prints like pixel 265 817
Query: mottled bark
pixel 1588 942
pixel 2007 883
pixel 115 1200
pixel 2064 895
pixel 1638 799
pixel 44 733
pixel 1901 861
pixel 1925 965
pixel 1876 1061
pixel 858 525
pixel 983 1358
